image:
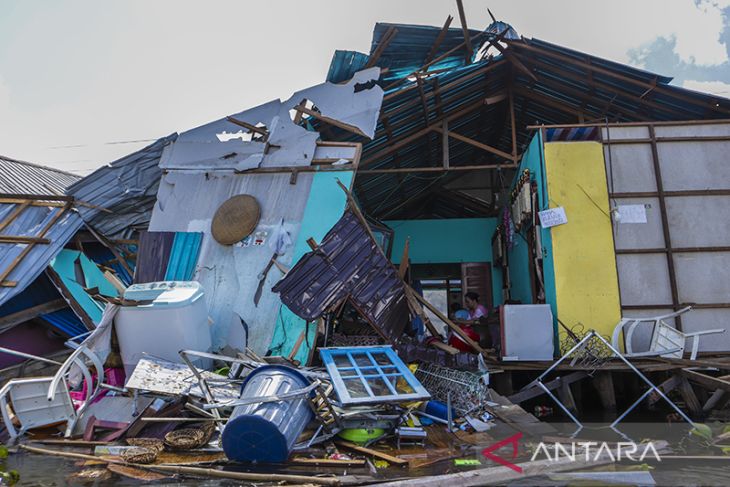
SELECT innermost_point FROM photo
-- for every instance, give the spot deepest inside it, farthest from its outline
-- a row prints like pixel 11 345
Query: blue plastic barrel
pixel 266 432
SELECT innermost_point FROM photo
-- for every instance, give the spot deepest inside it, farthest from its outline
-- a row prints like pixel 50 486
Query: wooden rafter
pixel 384 42
pixel 421 132
pixel 451 168
pixel 465 29
pixel 477 144
pixel 19 258
pixel 439 39
pixel 592 83
pixel 248 126
pixel 330 121
pixel 14 214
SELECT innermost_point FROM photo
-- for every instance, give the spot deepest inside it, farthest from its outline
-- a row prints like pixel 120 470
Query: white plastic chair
pixel 45 401
pixel 666 341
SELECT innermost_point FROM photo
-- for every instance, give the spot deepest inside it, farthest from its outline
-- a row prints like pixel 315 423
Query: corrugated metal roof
pixel 127 187
pixel 570 86
pixel 29 223
pixel 20 177
pixel 66 322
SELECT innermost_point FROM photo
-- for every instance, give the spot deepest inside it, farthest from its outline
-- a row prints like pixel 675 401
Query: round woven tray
pixel 235 219
pixel 153 444
pixel 189 438
pixel 139 454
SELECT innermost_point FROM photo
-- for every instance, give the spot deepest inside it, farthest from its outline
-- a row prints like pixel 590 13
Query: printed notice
pixel 631 214
pixel 553 217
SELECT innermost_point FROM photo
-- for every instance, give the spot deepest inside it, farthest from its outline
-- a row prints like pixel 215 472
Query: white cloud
pixel 711 87
pixel 697 32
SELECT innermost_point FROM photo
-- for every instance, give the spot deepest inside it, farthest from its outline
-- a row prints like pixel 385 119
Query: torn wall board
pixel 230 273
pixel 72 273
pixel 273 139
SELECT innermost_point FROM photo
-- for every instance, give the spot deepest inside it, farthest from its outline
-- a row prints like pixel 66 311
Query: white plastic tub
pixel 171 316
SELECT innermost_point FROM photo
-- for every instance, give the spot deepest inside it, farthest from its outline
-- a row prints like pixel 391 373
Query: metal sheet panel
pixel 348 263
pixel 20 177
pixel 127 187
pixel 183 256
pixel 29 223
pixel 230 273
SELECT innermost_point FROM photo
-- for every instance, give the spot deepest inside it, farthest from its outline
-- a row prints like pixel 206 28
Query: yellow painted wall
pixel 586 280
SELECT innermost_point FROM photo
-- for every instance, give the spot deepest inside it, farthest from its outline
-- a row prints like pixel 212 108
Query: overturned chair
pixel 666 341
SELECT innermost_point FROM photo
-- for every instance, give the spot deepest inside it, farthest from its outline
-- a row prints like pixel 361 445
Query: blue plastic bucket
pixel 266 432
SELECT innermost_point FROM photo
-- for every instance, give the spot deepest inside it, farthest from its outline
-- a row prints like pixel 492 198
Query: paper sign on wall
pixel 552 217
pixel 631 214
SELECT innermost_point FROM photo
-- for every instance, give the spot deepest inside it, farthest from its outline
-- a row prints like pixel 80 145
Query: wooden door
pixel 477 277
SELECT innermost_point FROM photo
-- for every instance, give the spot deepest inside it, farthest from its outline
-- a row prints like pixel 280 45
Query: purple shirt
pixel 478 312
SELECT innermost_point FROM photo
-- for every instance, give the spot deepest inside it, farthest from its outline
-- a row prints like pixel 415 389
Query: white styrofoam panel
pixel 705 130
pixel 709 319
pixel 699 221
pixel 703 277
pixel 643 279
pixel 629 168
pixel 647 235
pixel 694 165
pixel 629 132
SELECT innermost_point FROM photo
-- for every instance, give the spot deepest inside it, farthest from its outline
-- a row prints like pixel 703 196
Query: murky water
pixel 40 470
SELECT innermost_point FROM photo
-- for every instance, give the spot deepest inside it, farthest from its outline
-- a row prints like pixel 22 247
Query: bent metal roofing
pixel 33 229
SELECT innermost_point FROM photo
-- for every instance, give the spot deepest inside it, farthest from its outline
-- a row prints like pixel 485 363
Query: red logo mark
pixel 487 452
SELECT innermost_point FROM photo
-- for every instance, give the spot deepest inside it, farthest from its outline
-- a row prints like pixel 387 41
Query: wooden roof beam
pixel 384 42
pixel 636 82
pixel 439 39
pixel 465 29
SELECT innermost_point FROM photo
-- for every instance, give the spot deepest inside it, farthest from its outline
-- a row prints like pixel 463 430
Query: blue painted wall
pixel 447 241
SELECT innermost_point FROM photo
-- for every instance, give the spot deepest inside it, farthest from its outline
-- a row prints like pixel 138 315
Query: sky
pixel 84 82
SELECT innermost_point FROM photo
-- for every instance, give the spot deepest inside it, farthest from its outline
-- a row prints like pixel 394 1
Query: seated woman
pixel 475 309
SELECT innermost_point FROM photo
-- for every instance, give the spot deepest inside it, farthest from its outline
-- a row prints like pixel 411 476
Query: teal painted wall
pixel 519 271
pixel 447 241
pixel 325 206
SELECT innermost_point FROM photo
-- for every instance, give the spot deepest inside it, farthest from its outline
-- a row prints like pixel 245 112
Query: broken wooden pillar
pixel 603 381
pixel 688 395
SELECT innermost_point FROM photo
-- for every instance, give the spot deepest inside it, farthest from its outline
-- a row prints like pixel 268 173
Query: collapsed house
pixel 561 191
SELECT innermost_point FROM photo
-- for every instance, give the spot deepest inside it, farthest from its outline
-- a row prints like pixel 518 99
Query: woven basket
pixel 139 454
pixel 189 438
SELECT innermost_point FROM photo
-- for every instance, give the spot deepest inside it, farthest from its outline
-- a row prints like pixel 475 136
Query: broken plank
pixel 689 396
pixel 706 381
pixel 717 400
pixel 369 451
pixel 136 473
pixel 535 391
pixel 328 462
pixel 30 313
pixel 201 472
